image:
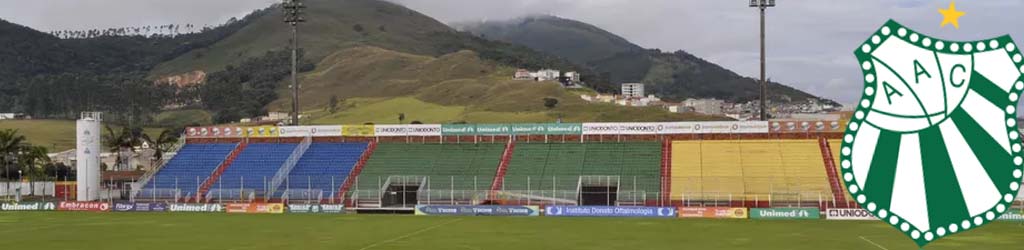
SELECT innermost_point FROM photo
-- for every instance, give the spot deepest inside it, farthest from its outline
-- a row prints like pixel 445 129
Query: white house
pixel 633 90
pixel 522 74
pixel 573 76
pixel 547 75
pixel 9 116
pixel 706 106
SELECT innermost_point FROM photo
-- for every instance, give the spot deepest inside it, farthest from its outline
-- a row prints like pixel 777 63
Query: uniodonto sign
pixel 603 128
pixel 407 130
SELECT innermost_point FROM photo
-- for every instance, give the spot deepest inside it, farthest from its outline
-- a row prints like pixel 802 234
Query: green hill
pixel 375 85
pixel 675 76
pixel 373 55
pixel 335 25
pixel 367 50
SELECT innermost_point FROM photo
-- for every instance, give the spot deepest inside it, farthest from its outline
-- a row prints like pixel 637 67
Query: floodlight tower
pixel 293 10
pixel 763 5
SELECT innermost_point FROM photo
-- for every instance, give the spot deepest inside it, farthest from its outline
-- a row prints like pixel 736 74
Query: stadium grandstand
pixel 751 164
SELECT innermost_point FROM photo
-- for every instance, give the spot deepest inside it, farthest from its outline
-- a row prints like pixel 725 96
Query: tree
pixel 550 103
pixel 358 28
pixel 401 118
pixel 10 141
pixel 121 143
pixel 416 122
pixel 33 160
pixel 162 144
pixel 10 146
pixel 332 105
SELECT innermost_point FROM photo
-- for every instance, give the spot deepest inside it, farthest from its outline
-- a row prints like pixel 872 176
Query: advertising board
pixel 628 128
pixel 547 128
pixel 357 130
pixel 83 206
pixel 734 127
pixel 609 211
pixel 139 207
pixel 1012 216
pixel 261 132
pixel 407 130
pixel 785 213
pixel 196 208
pixel 458 129
pixel 848 214
pixel 303 131
pixel 493 129
pixel 316 208
pixel 28 206
pixel 254 208
pixel 713 212
pixel 478 210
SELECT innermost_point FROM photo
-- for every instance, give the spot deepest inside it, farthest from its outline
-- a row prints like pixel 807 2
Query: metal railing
pixel 286 167
pixel 408 191
pixel 173 151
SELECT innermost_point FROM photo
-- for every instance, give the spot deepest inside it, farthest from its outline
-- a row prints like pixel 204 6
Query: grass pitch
pixel 49 230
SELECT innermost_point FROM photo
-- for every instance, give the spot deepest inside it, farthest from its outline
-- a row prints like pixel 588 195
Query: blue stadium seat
pixel 323 168
pixel 255 167
pixel 189 168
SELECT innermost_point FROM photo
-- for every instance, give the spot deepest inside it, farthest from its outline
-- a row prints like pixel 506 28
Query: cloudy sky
pixel 810 41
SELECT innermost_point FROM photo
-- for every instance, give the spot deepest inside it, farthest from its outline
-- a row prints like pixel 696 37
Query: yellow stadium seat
pixel 749 169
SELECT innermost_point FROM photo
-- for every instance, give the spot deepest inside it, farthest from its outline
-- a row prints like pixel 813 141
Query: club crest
pixel 933 147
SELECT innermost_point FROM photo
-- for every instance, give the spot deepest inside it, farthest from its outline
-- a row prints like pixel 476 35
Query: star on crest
pixel 951 15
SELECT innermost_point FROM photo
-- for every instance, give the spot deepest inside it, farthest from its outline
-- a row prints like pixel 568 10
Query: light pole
pixel 762 5
pixel 293 15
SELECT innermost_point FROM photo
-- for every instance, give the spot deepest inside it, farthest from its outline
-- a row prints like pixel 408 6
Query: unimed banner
pixel 609 211
pixel 458 129
pixel 713 212
pixel 1012 216
pixel 848 214
pixel 196 208
pixel 83 206
pixel 478 210
pixel 785 213
pixel 303 131
pixel 28 206
pixel 140 207
pixel 254 208
pixel 316 208
pixel 493 129
pixel 547 129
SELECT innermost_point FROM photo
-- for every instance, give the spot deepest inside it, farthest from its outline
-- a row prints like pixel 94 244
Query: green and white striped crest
pixel 933 147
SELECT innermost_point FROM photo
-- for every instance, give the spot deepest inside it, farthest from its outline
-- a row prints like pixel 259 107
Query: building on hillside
pixel 650 100
pixel 547 75
pixel 573 77
pixel 633 90
pixel 599 98
pixel 12 116
pixel 522 74
pixel 705 106
pixel 811 116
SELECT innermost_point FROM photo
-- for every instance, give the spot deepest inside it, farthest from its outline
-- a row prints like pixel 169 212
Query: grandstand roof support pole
pixel 293 16
pixel 530 192
pixel 763 5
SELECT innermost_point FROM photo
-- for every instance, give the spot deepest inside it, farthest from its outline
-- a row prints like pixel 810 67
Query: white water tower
pixel 88 156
